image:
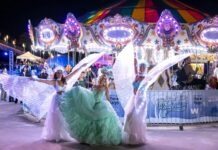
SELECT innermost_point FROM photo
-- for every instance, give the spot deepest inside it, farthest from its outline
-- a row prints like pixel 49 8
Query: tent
pixel 146 11
pixel 29 56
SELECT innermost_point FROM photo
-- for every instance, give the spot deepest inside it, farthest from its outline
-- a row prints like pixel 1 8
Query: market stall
pixel 29 56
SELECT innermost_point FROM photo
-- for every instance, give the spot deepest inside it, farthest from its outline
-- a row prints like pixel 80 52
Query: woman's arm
pixel 74 72
pixel 107 93
pixel 49 82
pixel 135 64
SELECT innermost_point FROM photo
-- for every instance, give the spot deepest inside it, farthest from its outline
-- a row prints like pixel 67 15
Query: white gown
pixel 135 108
pixel 134 121
pixel 55 129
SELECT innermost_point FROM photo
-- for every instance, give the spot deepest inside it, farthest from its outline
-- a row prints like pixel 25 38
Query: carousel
pixel 155 37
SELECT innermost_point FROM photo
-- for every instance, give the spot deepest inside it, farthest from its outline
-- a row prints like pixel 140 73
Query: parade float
pixel 155 38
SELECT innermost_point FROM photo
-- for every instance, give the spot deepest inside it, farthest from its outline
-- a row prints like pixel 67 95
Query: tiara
pixel 59 68
pixel 104 70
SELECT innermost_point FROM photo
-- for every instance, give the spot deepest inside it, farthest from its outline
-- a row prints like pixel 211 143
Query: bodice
pixel 80 83
pixel 59 88
pixel 99 94
pixel 137 82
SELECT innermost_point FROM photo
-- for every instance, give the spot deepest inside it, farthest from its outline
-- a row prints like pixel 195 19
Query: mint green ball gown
pixel 90 118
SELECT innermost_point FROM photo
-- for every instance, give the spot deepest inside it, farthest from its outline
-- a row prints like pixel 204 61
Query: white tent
pixel 29 56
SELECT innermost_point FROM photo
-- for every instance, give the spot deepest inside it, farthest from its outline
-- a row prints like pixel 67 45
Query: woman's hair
pixel 63 79
pixel 101 78
pixel 142 65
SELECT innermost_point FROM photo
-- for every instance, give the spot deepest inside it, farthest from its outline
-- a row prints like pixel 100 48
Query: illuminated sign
pixel 210 35
pixel 119 34
pixel 47 35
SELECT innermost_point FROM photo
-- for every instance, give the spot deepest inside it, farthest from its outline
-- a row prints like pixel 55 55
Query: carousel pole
pixel 72 58
pixel 79 56
pixel 74 55
pixel 68 56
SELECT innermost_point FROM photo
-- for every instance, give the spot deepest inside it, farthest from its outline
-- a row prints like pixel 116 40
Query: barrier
pixel 116 103
pixel 177 106
pixel 182 106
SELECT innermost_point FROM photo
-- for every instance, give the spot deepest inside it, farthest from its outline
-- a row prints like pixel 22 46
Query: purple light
pixel 167 25
pixel 71 28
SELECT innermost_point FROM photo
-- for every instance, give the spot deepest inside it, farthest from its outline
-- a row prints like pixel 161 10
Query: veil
pixel 123 71
pixel 153 75
pixel 124 74
pixel 33 94
pixel 89 60
pixel 37 96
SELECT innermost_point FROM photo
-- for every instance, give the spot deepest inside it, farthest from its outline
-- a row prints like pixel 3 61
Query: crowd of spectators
pixel 44 71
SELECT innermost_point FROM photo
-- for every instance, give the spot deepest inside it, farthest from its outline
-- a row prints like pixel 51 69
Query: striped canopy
pixel 146 11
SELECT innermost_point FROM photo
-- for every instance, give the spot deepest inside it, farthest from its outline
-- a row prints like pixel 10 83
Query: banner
pixel 176 106
pixel 116 103
pixel 182 106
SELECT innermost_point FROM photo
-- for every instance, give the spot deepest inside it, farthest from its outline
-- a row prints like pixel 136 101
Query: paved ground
pixel 19 133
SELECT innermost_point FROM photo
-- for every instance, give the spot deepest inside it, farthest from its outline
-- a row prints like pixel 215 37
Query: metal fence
pixel 174 106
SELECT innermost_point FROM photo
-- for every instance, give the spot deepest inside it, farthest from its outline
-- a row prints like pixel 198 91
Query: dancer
pixel 135 108
pixel 139 73
pixel 55 129
pixel 134 125
pixel 44 99
pixel 90 118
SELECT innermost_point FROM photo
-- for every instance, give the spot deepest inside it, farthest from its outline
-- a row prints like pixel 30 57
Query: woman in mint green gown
pixel 89 117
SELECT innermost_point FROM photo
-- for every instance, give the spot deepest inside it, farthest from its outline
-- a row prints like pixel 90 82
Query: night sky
pixel 14 16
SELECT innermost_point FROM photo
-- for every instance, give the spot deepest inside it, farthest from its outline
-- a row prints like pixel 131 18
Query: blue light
pixel 5 53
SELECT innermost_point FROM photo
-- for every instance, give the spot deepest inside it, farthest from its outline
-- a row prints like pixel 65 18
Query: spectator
pixel 25 72
pixel 111 84
pixel 81 80
pixel 90 75
pixel 43 74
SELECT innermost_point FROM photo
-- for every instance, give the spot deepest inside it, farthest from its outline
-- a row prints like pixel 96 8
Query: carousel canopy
pixel 29 56
pixel 147 11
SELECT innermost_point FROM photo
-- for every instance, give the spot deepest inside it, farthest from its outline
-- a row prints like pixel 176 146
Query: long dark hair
pixel 63 79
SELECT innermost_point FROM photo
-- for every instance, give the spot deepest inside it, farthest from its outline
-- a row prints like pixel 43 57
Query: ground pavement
pixel 19 133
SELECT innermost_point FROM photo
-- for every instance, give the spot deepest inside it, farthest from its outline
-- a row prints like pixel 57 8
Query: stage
pixel 19 133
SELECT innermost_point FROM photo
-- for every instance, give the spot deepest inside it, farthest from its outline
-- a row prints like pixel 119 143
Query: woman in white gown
pixel 135 125
pixel 55 129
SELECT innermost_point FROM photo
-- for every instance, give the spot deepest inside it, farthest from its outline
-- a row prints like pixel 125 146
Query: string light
pixel 14 42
